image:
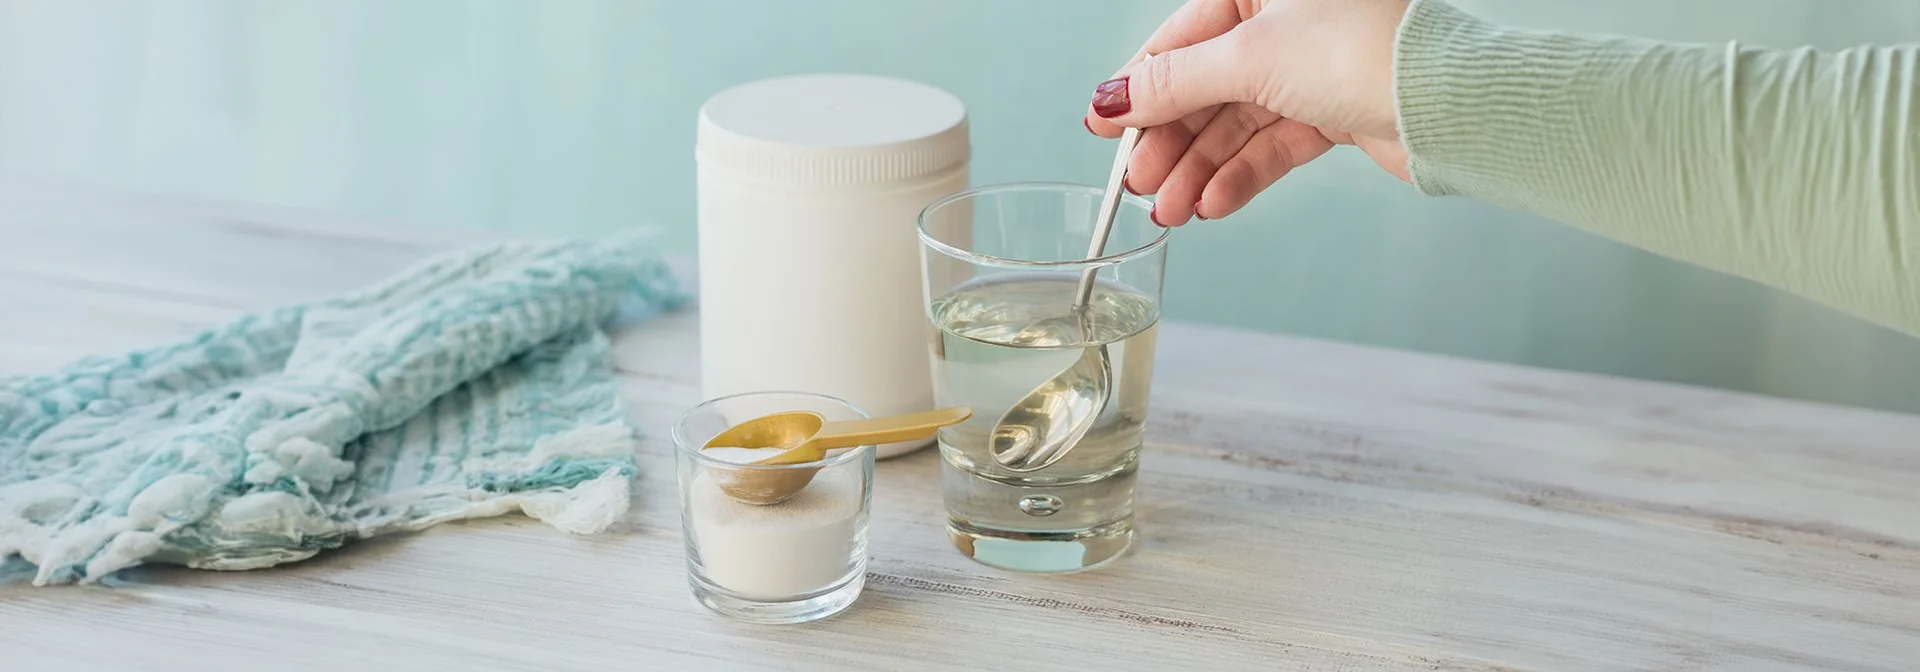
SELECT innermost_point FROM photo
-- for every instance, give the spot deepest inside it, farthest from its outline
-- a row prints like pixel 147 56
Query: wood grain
pixel 1305 505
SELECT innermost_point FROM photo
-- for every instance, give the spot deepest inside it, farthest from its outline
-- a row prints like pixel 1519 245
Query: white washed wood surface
pixel 1305 505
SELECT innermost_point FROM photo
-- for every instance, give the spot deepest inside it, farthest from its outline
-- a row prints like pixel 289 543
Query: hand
pixel 1239 92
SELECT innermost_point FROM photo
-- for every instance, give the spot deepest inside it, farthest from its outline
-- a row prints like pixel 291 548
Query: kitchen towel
pixel 474 384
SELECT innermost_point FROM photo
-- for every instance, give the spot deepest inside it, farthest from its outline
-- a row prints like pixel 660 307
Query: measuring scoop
pixel 805 436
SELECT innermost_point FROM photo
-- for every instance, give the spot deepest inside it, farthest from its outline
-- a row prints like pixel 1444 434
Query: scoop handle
pixel 848 433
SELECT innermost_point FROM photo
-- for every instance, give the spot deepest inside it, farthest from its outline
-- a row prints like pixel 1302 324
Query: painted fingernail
pixel 1153 215
pixel 1128 185
pixel 1088 124
pixel 1110 98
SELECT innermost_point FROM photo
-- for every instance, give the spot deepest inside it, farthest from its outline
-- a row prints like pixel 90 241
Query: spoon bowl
pixel 1039 428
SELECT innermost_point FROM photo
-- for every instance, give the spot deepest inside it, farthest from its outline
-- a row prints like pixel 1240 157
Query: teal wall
pixel 577 116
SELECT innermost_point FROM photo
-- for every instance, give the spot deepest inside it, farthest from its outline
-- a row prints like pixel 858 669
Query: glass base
pixel 1043 552
pixel 799 610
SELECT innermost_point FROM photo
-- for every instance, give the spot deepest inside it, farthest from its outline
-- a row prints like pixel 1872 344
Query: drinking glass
pixel 797 560
pixel 1001 269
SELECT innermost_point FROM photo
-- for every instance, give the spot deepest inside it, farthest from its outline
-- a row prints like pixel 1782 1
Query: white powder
pixel 799 546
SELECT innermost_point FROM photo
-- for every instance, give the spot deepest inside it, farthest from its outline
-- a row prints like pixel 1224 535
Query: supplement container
pixel 809 187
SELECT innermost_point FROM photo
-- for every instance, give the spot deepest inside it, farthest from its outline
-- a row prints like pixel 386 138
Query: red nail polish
pixel 1110 98
pixel 1124 184
pixel 1153 215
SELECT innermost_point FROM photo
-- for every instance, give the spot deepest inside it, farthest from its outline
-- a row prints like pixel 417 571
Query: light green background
pixel 577 116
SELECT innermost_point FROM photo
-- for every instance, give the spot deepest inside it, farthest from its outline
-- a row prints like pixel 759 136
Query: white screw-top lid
pixel 833 130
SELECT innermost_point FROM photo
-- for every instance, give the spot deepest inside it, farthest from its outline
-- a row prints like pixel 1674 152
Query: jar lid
pixel 833 129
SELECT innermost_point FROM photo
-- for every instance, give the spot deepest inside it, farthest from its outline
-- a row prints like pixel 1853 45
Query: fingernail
pixel 1110 98
pixel 1088 124
pixel 1128 185
pixel 1153 215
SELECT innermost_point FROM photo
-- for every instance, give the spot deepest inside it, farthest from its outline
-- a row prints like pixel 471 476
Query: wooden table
pixel 1305 505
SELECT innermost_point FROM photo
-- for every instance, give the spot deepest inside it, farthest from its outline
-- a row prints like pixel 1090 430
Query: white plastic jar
pixel 809 187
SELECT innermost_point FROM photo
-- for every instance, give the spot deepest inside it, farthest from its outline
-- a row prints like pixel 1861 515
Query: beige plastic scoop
pixel 806 437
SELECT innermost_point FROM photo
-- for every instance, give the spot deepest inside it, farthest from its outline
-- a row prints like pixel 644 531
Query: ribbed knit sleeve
pixel 1796 168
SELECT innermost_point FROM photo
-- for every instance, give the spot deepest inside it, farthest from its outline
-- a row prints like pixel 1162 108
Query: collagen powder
pixel 806 544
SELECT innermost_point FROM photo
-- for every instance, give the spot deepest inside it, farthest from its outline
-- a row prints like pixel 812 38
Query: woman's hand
pixel 1239 92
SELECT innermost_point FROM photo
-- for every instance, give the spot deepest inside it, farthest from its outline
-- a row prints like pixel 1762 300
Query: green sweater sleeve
pixel 1796 168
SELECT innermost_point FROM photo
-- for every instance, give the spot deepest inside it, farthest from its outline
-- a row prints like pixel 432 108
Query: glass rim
pixel 682 445
pixel 1112 259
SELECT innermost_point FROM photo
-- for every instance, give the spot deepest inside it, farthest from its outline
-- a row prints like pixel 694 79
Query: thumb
pixel 1170 86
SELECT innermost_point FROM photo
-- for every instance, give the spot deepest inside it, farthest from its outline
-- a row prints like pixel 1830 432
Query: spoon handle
pixel 846 433
pixel 1109 209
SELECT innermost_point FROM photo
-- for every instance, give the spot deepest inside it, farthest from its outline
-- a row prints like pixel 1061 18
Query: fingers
pixel 1194 22
pixel 1268 156
pixel 1160 150
pixel 1177 83
pixel 1216 146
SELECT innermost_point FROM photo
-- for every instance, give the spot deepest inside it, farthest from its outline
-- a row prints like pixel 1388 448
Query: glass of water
pixel 1001 271
pixel 799 559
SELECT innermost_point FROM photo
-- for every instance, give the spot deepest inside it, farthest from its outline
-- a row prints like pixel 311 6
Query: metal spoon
pixel 1043 426
pixel 800 437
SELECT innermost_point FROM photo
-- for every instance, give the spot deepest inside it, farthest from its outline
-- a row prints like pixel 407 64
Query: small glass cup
pixel 1001 268
pixel 798 560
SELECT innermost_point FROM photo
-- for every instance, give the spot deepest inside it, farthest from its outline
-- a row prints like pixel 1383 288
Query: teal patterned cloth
pixel 474 384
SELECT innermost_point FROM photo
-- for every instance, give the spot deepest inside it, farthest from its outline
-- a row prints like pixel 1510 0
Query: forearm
pixel 1798 169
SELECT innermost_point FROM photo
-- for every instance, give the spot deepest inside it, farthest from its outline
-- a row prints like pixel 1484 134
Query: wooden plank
pixel 1305 505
